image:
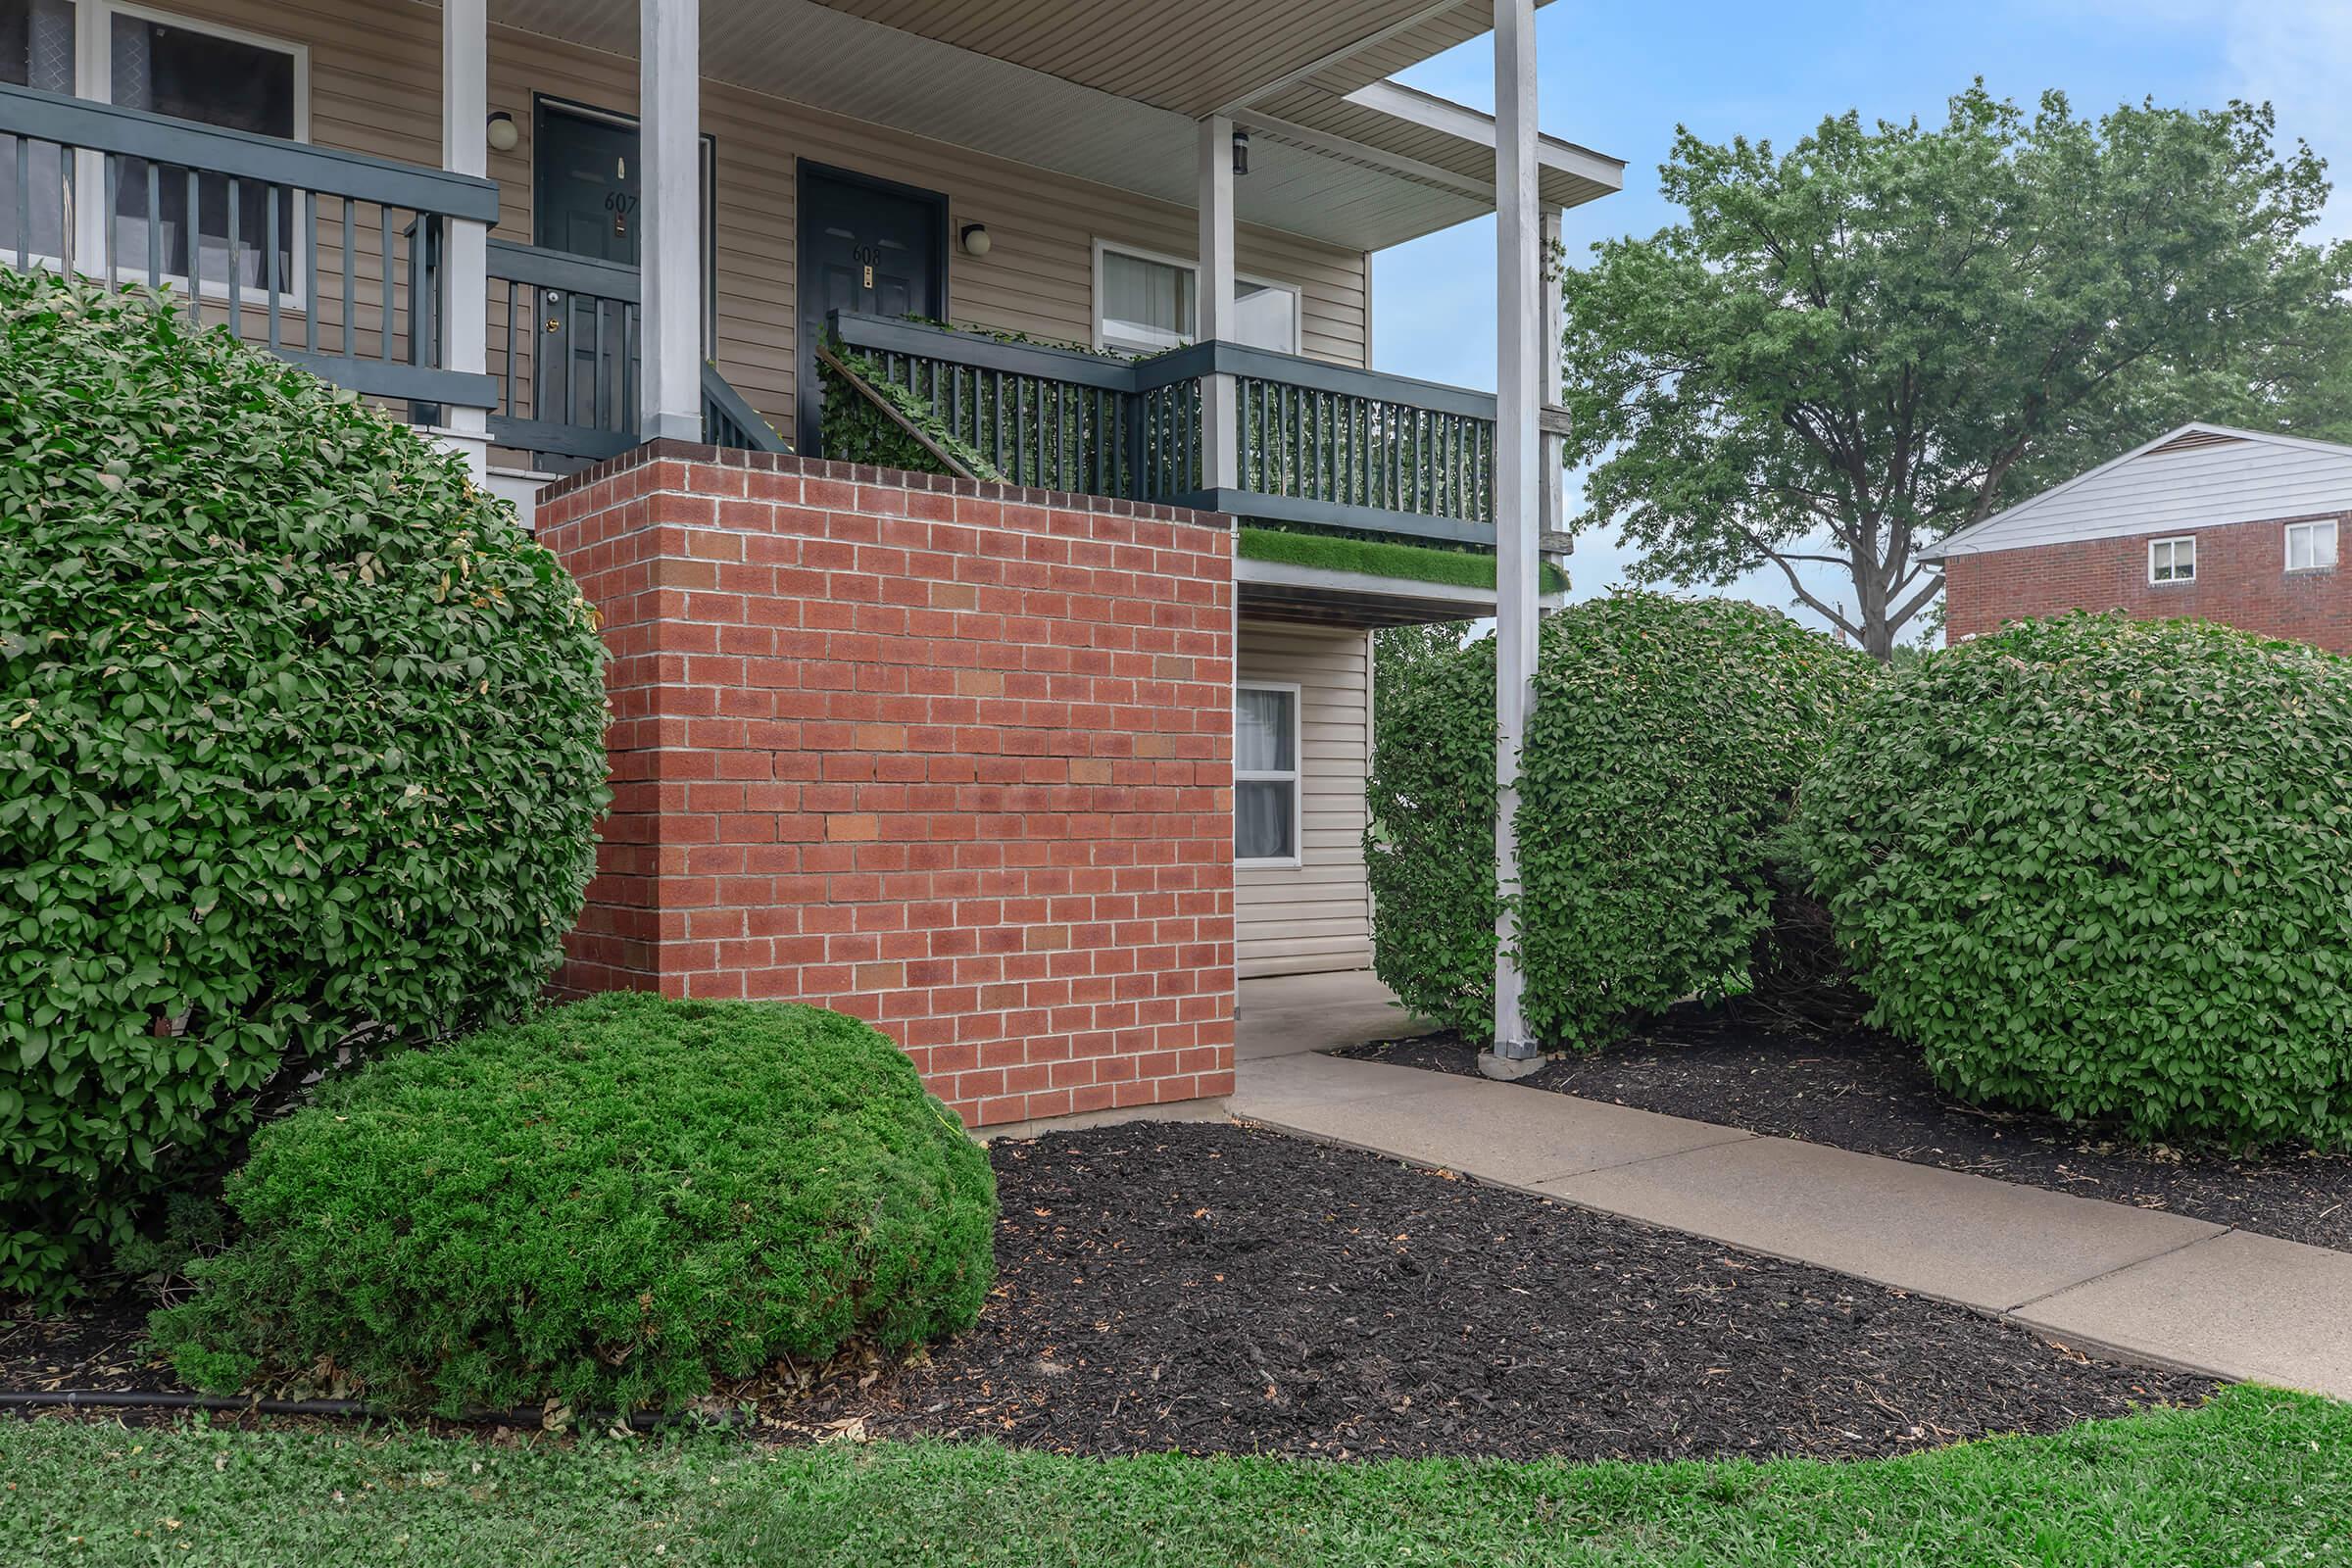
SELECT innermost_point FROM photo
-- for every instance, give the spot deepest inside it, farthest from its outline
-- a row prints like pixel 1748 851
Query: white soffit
pixel 1364 191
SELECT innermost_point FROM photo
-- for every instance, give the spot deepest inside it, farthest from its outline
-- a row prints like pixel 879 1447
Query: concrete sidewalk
pixel 2143 1285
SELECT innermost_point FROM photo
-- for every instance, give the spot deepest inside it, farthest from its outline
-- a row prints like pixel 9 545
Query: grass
pixel 1381 557
pixel 2257 1475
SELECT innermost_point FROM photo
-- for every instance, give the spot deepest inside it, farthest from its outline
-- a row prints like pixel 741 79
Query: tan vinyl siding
pixel 1317 915
pixel 375 88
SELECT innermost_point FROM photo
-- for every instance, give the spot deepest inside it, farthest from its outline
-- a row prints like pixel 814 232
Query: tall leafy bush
pixel 1429 850
pixel 611 1204
pixel 1666 741
pixel 2103 869
pixel 299 733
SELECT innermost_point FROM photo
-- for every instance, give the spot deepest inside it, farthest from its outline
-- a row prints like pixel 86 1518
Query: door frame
pixel 542 103
pixel 805 353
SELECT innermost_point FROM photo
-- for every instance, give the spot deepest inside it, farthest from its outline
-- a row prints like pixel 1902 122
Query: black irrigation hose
pixel 347 1409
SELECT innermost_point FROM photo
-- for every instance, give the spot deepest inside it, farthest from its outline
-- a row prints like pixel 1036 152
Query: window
pixel 2311 546
pixel 1265 775
pixel 169 66
pixel 1147 303
pixel 166 66
pixel 36 50
pixel 2172 559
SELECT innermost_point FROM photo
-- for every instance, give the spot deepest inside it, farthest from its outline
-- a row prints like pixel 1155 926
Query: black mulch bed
pixel 1221 1289
pixel 1855 1088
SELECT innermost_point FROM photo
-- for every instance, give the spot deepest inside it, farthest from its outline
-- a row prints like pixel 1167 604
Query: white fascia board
pixel 1434 112
pixel 1287 574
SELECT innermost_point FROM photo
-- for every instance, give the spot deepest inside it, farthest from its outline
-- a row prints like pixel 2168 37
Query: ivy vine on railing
pixel 870 419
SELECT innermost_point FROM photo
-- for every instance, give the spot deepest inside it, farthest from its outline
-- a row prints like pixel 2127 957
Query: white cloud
pixel 2295 55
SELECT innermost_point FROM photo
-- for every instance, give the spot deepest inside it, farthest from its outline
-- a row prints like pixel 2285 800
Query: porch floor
pixel 2096 1276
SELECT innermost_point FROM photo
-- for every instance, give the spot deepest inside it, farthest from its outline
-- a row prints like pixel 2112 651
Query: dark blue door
pixel 588 359
pixel 867 246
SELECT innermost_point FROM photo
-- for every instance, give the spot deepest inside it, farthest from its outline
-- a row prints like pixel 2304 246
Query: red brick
pixel 930 753
pixel 2242 582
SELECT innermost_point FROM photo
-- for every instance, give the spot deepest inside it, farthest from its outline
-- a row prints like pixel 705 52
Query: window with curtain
pixel 36 50
pixel 2310 546
pixel 2172 559
pixel 173 68
pixel 1149 305
pixel 1265 774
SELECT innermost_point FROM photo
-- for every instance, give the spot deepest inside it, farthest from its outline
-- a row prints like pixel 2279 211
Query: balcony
pixel 333 261
pixel 1316 444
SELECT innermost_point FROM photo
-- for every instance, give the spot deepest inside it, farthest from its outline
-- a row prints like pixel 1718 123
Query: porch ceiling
pixel 1107 90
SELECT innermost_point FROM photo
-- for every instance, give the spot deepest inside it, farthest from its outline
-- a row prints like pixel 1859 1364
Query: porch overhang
pixel 1322 596
pixel 1109 91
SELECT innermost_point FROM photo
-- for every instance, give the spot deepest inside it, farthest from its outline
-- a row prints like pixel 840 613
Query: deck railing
pixel 331 259
pixel 1316 443
pixel 323 258
pixel 1053 419
pixel 567 351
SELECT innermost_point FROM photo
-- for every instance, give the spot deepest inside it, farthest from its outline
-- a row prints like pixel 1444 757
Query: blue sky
pixel 1619 75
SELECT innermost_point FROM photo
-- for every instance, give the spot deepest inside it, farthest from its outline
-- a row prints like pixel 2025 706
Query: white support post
pixel 1517 451
pixel 1553 475
pixel 669 72
pixel 86 218
pixel 464 305
pixel 1214 306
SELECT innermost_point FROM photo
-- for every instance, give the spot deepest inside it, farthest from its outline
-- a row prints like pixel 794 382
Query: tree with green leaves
pixel 1843 353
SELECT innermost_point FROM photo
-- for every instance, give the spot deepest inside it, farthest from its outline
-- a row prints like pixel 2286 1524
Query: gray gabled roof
pixel 2194 476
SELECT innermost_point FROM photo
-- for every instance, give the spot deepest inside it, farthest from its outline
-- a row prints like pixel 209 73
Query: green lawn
pixel 2258 1476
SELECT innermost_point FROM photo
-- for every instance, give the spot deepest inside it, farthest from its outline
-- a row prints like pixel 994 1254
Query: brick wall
pixel 2242 582
pixel 953 758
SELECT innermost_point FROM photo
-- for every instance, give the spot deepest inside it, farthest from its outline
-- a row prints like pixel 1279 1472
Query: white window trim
pixel 2310 526
pixel 1104 247
pixel 94 80
pixel 1295 776
pixel 2189 539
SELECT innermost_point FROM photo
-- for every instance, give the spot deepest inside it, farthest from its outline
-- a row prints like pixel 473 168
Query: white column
pixel 94 77
pixel 1517 452
pixel 1552 477
pixel 463 304
pixel 669 68
pixel 1213 305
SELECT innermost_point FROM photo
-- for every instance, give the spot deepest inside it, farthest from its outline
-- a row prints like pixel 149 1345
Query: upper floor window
pixel 165 64
pixel 2172 559
pixel 1147 303
pixel 2311 546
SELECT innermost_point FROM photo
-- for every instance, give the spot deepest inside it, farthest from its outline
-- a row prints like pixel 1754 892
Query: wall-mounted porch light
pixel 975 239
pixel 1241 152
pixel 502 134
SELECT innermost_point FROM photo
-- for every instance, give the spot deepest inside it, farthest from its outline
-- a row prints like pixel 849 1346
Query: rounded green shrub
pixel 2103 869
pixel 610 1204
pixel 300 734
pixel 1666 742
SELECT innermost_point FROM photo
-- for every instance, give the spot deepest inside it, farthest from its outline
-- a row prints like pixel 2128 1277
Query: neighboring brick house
pixel 2237 526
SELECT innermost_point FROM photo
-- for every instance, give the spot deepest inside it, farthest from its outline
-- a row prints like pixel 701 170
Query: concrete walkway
pixel 2139 1284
